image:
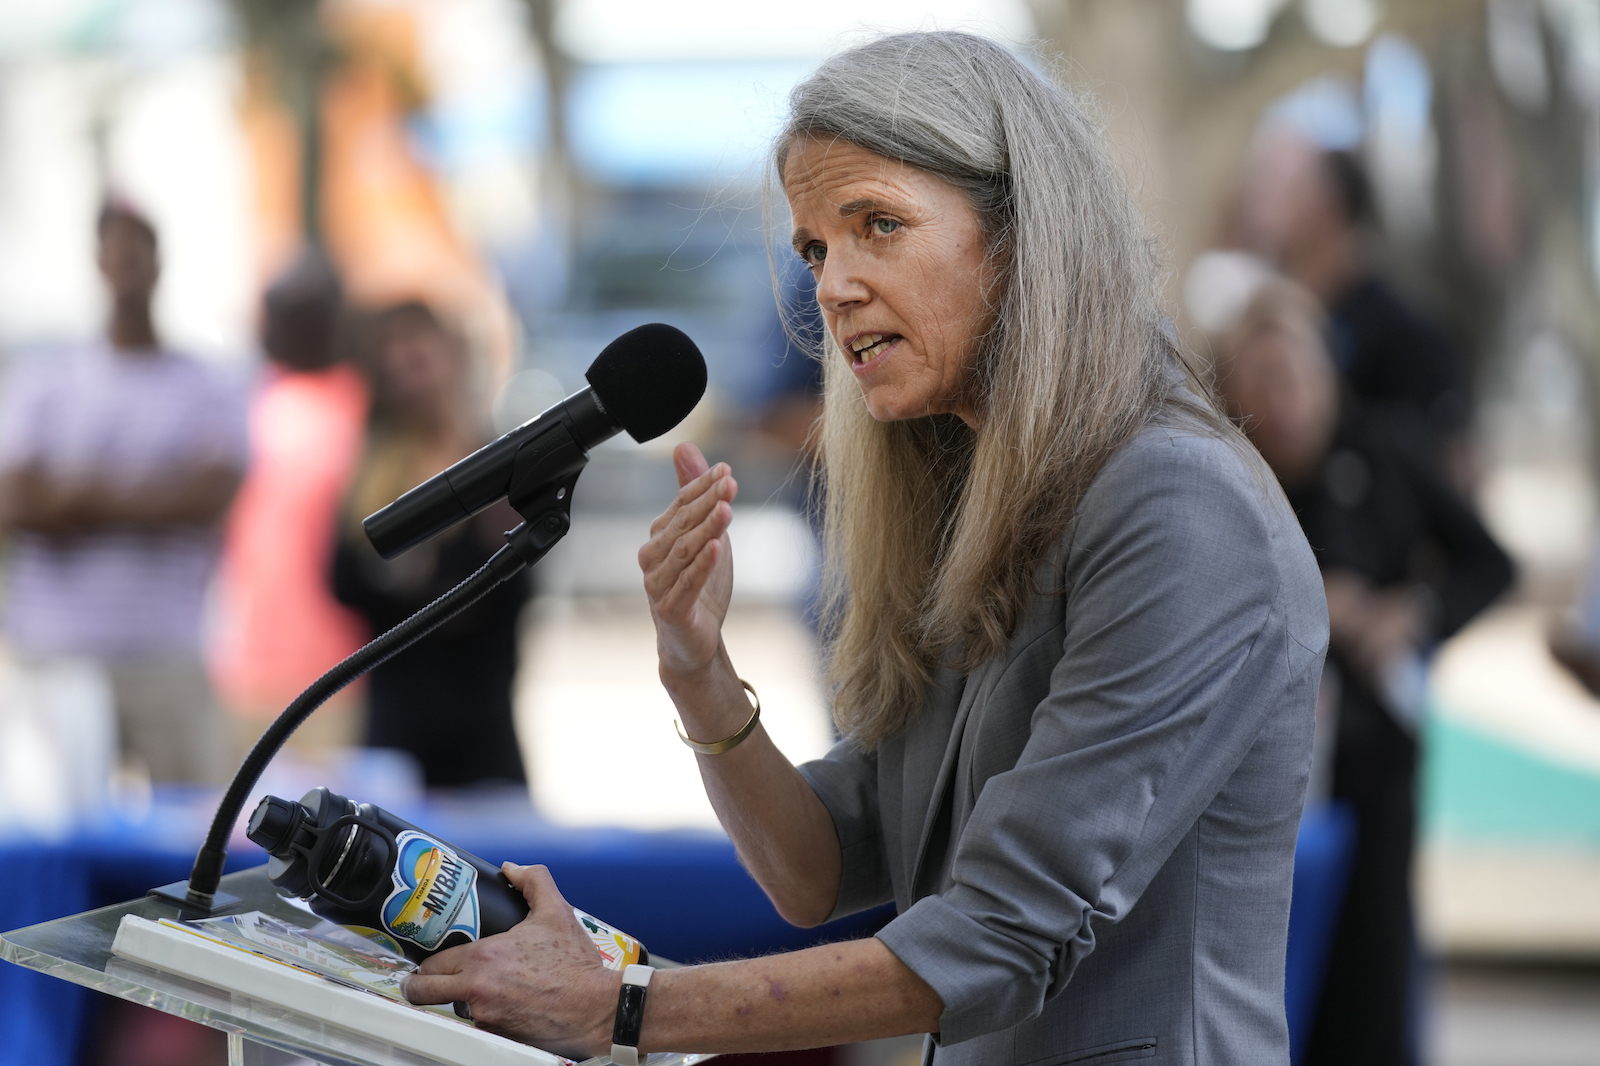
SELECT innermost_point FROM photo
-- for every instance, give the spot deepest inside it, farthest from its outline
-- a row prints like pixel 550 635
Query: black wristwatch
pixel 630 1016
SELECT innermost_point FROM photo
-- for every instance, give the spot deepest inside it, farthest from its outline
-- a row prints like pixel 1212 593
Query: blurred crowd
pixel 193 533
pixel 131 475
pixel 1359 405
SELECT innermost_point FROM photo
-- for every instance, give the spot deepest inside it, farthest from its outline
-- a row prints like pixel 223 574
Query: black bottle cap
pixel 273 823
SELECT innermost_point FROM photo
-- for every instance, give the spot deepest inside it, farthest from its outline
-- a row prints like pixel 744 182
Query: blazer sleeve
pixel 846 781
pixel 1193 605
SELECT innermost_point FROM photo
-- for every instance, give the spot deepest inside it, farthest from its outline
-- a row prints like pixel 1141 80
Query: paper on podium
pixel 195 956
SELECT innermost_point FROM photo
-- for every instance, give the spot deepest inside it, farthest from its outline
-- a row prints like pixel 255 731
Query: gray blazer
pixel 1090 841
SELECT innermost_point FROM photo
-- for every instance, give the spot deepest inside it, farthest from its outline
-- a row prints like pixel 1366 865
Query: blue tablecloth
pixel 683 893
pixel 1321 869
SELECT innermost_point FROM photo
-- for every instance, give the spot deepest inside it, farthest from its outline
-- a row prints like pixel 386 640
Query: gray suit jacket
pixel 1090 841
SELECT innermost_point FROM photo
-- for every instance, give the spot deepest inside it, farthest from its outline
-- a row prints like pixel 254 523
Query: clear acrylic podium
pixel 78 949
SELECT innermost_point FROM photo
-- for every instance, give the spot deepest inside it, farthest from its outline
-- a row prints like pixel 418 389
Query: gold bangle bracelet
pixel 720 746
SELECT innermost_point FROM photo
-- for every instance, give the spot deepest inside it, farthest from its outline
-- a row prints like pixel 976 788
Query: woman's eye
pixel 814 254
pixel 884 226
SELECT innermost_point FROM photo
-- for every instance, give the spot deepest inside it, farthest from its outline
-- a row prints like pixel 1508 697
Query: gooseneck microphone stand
pixel 546 510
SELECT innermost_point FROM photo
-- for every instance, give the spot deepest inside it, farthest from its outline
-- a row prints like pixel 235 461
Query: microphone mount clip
pixel 545 503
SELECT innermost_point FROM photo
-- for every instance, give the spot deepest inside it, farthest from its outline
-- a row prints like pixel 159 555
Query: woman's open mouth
pixel 867 347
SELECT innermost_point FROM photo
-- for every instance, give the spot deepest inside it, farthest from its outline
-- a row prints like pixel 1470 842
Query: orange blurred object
pixel 274 146
pixel 385 217
pixel 279 627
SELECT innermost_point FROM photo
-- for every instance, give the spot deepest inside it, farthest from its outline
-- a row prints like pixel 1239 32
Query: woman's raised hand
pixel 688 566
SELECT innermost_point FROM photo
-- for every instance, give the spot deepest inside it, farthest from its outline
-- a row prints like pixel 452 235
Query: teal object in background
pixel 1477 787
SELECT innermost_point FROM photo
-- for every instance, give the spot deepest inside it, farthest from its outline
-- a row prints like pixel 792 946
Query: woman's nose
pixel 839 288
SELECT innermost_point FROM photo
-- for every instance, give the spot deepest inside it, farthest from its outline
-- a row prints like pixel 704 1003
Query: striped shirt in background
pixel 129 419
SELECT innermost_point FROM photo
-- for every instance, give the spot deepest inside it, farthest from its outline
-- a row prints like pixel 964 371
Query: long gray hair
pixel 934 532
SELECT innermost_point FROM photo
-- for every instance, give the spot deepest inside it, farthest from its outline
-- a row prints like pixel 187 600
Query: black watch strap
pixel 630 1015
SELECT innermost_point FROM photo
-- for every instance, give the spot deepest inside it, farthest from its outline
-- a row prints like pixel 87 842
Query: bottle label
pixel 435 892
pixel 617 950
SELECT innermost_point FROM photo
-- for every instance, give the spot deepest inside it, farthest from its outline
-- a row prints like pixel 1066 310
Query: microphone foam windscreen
pixel 649 379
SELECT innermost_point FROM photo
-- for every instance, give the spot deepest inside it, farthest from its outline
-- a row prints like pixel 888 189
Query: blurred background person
pixel 446 699
pixel 118 459
pixel 279 627
pixel 1311 212
pixel 1405 564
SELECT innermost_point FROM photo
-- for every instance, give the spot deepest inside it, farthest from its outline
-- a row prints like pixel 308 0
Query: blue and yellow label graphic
pixel 435 893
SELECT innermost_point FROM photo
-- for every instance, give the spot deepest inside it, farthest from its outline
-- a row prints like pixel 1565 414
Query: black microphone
pixel 646 381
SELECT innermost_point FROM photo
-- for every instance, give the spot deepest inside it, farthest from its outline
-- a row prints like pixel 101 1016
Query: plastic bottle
pixel 362 867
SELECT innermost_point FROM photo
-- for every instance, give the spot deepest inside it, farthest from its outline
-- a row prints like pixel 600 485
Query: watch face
pixel 630 1016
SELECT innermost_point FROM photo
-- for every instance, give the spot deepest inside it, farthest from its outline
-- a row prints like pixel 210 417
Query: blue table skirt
pixel 683 893
pixel 1321 869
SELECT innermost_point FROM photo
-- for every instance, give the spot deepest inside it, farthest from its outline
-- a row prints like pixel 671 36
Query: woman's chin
pixel 894 408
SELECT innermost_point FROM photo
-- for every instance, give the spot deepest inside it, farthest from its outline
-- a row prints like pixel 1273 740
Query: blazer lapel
pixel 938 736
pixel 944 745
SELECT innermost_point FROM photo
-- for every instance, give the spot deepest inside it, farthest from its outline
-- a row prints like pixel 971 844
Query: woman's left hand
pixel 541 981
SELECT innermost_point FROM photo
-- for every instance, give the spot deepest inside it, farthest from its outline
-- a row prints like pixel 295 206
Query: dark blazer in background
pixel 1380 508
pixel 1090 841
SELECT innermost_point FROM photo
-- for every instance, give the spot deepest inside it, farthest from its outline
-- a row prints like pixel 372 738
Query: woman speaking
pixel 1075 631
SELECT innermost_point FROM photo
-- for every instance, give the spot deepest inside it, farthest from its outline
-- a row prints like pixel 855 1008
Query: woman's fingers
pixel 424 988
pixel 694 501
pixel 688 493
pixel 677 555
pixel 537 887
pixel 441 978
pixel 692 469
pixel 676 546
pixel 689 520
pixel 691 580
pixel 688 462
pixel 451 960
pixel 687 555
